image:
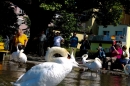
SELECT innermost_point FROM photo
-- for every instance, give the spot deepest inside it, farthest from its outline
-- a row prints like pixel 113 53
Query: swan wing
pixel 90 61
pixel 14 56
pixel 98 64
pixel 92 64
pixel 46 73
pixel 23 58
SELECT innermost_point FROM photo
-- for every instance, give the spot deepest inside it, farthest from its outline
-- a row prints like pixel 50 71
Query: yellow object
pixel 1 45
pixel 20 39
pixel 2 49
pixel 113 37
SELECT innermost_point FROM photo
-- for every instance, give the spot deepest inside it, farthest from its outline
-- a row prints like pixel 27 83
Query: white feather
pixel 14 55
pixel 93 64
pixel 22 57
pixel 47 73
pixel 19 56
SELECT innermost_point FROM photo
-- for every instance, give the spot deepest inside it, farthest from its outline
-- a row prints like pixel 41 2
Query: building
pixel 110 33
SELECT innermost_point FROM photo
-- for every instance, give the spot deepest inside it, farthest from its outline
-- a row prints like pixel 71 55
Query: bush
pixel 1 38
pixel 91 54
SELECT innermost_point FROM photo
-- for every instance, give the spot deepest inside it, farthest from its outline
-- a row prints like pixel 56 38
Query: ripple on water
pixel 9 72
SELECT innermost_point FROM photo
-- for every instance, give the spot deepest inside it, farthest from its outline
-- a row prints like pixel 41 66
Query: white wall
pixel 112 29
pixel 128 38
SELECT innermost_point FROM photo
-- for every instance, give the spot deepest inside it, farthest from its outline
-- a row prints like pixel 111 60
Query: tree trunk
pixel 39 22
pixel 39 19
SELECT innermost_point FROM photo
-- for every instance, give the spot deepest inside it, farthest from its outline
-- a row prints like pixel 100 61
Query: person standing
pixel 74 43
pixel 116 55
pixel 101 55
pixel 57 40
pixel 125 56
pixel 41 45
pixel 21 38
pixel 85 46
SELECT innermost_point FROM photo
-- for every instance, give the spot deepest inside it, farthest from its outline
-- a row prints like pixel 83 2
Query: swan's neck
pixel 20 53
pixel 17 48
pixel 50 53
pixel 84 60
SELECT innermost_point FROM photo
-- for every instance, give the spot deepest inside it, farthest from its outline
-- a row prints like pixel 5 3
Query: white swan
pixel 72 57
pixel 22 58
pixel 48 73
pixel 14 55
pixel 19 56
pixel 92 64
pixel 127 69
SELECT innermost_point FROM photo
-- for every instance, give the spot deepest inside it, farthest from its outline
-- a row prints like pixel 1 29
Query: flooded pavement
pixel 10 71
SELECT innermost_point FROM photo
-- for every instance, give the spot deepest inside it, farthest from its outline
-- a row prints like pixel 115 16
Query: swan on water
pixel 19 56
pixel 49 73
pixel 92 64
pixel 14 55
pixel 22 58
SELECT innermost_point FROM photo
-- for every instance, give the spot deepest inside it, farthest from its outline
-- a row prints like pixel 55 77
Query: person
pixel 57 40
pixel 73 43
pixel 111 48
pixel 85 46
pixel 120 42
pixel 101 54
pixel 125 56
pixel 116 56
pixel 20 37
pixel 41 45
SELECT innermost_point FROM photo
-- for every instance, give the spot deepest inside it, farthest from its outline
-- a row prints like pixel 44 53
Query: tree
pixel 43 10
pixel 66 23
pixel 8 18
pixel 109 10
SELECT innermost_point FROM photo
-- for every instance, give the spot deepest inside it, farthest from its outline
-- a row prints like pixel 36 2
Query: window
pixel 105 32
pixel 119 33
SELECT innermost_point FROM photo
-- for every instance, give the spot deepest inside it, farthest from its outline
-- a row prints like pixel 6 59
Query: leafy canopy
pixel 108 11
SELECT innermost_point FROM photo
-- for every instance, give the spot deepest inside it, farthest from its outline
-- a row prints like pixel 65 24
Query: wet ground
pixel 10 71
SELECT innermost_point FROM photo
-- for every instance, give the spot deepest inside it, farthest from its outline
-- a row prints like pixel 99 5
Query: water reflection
pixel 10 71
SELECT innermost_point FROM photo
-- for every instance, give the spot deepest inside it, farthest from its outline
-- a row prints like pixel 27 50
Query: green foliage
pixel 27 20
pixel 67 24
pixel 1 38
pixel 110 12
pixel 69 21
pixel 55 5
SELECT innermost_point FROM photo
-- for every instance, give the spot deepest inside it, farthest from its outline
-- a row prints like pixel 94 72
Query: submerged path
pixel 34 60
pixel 37 60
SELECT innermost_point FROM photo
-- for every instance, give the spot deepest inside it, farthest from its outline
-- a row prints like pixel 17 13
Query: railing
pixel 105 38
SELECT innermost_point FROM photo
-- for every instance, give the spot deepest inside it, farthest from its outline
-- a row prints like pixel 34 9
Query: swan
pixel 19 56
pixel 92 64
pixel 14 55
pixel 49 73
pixel 127 69
pixel 72 57
pixel 22 58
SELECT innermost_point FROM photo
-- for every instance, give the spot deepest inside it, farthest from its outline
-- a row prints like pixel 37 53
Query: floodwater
pixel 9 72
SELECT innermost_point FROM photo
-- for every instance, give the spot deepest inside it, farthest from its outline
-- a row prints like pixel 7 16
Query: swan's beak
pixel 75 64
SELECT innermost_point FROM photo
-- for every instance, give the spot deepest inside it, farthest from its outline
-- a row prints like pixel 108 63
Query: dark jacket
pixel 85 45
